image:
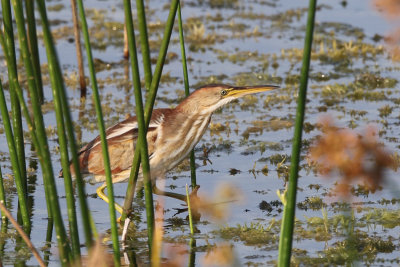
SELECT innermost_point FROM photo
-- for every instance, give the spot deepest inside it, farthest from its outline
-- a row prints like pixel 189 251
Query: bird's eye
pixel 223 92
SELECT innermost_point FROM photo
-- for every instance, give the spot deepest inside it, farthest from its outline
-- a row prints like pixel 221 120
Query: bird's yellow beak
pixel 240 91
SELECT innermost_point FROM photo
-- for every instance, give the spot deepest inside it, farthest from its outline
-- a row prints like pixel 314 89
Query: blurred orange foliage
pixel 98 257
pixel 217 206
pixel 391 10
pixel 393 41
pixel 221 255
pixel 356 158
pixel 179 254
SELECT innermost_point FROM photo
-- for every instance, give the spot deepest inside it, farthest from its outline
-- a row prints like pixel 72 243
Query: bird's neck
pixel 194 108
pixel 193 116
pixel 187 107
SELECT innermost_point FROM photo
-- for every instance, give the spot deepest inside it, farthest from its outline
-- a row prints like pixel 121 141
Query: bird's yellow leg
pixel 103 196
pixel 194 199
pixel 174 195
pixel 158 191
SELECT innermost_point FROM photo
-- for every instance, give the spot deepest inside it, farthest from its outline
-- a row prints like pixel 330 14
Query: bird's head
pixel 209 98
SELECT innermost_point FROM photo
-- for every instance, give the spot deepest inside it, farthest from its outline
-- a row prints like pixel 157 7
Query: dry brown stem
pixel 78 47
pixel 22 234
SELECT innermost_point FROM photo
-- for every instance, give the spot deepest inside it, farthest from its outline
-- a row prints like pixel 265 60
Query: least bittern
pixel 171 135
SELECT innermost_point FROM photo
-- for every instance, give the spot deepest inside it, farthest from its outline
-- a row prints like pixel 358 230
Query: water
pixel 253 29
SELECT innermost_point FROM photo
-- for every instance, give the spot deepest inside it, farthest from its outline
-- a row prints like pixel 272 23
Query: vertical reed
pixel 13 78
pixel 186 82
pixel 3 241
pixel 144 41
pixel 33 47
pixel 37 131
pixel 189 211
pixel 192 253
pixel 57 86
pixel 2 196
pixel 78 48
pixel 126 48
pixel 160 61
pixel 150 103
pixel 142 146
pixel 88 227
pixel 14 161
pixel 57 81
pixel 102 130
pixel 285 243
pixel 15 107
pixel 192 243
pixel 49 235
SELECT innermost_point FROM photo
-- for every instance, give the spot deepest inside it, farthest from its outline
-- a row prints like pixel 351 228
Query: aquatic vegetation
pixel 252 234
pixel 313 203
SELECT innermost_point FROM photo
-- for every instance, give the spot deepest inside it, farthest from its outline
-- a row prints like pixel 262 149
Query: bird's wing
pixel 121 140
pixel 123 129
pixel 126 130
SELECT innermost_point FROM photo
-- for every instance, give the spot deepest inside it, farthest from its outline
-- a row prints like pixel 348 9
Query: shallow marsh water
pixel 246 42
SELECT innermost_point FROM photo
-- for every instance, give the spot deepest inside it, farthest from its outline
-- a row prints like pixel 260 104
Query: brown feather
pixel 121 147
pixel 171 135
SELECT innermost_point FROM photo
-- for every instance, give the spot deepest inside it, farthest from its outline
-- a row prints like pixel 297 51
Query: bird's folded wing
pixel 120 135
pixel 126 130
pixel 121 141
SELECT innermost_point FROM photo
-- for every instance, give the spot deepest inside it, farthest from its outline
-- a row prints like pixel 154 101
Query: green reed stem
pixel 102 130
pixel 49 235
pixel 13 79
pixel 160 61
pixel 14 160
pixel 15 107
pixel 62 139
pixel 150 103
pixel 88 227
pixel 192 253
pixel 61 100
pixel 2 195
pixel 3 241
pixel 288 220
pixel 189 211
pixel 42 148
pixel 33 47
pixel 141 123
pixel 144 41
pixel 186 82
pixel 26 55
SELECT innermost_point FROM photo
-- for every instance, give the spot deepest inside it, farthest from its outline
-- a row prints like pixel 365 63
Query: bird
pixel 171 135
